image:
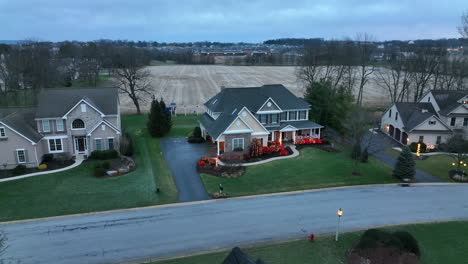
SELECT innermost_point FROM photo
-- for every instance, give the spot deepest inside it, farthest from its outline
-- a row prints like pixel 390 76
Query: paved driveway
pixel 181 158
pixel 179 229
pixel 381 142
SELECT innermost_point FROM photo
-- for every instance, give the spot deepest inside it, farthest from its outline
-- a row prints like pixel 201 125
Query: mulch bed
pixel 222 171
pixel 236 159
pixel 325 147
pixel 457 176
pixel 381 255
pixel 51 165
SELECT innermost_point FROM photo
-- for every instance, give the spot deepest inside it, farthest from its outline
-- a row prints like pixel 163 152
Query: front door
pixel 80 145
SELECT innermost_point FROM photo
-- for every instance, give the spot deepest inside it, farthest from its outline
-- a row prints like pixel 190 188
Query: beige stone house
pixel 235 116
pixel 436 117
pixel 67 123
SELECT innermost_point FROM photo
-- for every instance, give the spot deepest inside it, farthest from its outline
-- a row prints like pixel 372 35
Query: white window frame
pixel 62 127
pixel 84 125
pixel 233 144
pixel 100 142
pixel 2 132
pixel 55 145
pixel 305 115
pixel 454 121
pixel 286 116
pixel 295 116
pixel 113 143
pixel 48 126
pixel 18 157
pixel 276 121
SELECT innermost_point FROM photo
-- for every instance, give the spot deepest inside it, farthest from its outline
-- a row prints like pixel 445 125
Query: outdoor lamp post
pixel 339 213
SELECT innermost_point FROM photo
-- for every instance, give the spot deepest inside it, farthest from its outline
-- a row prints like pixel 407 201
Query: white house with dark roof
pixel 235 116
pixel 436 117
pixel 66 122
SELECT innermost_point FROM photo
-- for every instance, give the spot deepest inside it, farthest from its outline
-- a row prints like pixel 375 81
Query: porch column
pixel 319 132
pixel 293 133
pixel 217 148
pixel 310 133
pixel 280 137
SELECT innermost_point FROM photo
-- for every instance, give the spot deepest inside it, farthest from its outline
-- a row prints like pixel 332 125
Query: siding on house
pixel 9 146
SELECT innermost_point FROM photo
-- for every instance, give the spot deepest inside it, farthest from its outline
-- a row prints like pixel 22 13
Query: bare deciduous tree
pixel 463 28
pixel 365 47
pixel 394 79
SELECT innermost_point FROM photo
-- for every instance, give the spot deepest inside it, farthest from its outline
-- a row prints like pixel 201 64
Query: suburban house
pixel 66 123
pixel 236 116
pixel 435 118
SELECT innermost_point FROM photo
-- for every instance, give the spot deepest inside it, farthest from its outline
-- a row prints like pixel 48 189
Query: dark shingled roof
pixel 297 124
pixel 447 100
pixel 254 97
pixel 238 257
pixel 21 120
pixel 57 102
pixel 412 113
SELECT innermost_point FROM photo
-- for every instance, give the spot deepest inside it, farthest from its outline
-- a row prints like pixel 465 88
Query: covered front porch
pixel 290 134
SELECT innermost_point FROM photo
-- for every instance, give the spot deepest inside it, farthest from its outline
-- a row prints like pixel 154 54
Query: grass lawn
pixel 437 165
pixel 439 243
pixel 78 191
pixel 312 169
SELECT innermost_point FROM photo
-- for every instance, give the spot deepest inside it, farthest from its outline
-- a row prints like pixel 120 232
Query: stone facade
pixel 228 142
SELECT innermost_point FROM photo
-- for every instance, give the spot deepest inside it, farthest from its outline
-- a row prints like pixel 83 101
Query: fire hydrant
pixel 311 237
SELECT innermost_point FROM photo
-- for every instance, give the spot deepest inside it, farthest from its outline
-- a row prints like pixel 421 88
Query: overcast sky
pixel 227 20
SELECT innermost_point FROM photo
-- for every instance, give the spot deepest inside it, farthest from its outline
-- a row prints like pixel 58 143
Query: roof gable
pixel 105 123
pixel 270 106
pixel 412 114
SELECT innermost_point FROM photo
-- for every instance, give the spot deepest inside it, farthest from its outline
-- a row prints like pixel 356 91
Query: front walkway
pixel 380 142
pixel 181 158
pixel 77 163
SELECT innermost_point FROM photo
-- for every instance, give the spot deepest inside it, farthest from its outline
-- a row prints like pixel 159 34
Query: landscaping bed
pixel 458 176
pixel 257 153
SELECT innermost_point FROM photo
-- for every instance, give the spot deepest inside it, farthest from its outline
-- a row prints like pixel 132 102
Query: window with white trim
pixel 59 125
pixel 237 144
pixel 98 144
pixel 293 115
pixel 274 118
pixel 78 124
pixel 45 126
pixel 302 115
pixel 263 119
pixel 2 132
pixel 83 108
pixel 21 155
pixel 110 143
pixel 453 120
pixel 55 145
pixel 284 116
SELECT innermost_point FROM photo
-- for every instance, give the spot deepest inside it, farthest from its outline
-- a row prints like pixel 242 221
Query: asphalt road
pixel 166 231
pixel 181 158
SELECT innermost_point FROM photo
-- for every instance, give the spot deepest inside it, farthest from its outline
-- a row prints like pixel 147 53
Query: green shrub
pixel 104 154
pixel 197 132
pixel 409 242
pixel 18 170
pixel 47 157
pixel 414 147
pixel 106 165
pixel 126 145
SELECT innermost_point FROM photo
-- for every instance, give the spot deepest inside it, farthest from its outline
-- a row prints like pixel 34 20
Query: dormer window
pixel 78 124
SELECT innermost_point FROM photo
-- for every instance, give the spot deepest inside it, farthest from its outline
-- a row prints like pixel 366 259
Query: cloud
pixel 227 20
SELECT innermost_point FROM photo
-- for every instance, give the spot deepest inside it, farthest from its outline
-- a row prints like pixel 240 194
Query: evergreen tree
pixel 155 119
pixel 405 166
pixel 166 122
